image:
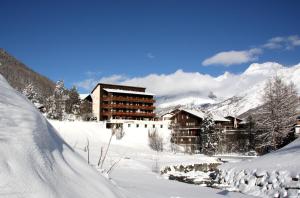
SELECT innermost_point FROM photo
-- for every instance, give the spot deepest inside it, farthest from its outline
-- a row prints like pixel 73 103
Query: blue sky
pixel 80 40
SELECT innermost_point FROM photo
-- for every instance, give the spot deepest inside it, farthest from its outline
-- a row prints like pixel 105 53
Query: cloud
pixel 150 55
pixel 89 83
pixel 288 42
pixel 233 57
pixel 181 83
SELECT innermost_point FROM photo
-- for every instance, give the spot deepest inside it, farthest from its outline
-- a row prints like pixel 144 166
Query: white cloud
pixel 233 57
pixel 184 83
pixel 89 83
pixel 150 55
pixel 288 42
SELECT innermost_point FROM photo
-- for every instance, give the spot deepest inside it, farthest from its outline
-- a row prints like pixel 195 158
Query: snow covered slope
pixel 35 161
pixel 236 93
pixel 271 175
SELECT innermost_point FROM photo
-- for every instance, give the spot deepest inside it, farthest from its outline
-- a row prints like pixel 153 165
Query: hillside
pixel 19 75
pixel 35 161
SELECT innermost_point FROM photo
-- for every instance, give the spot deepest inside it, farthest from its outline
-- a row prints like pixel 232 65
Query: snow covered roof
pixel 200 114
pixel 128 92
pixel 83 96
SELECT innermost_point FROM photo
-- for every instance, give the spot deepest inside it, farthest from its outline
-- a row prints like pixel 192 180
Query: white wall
pixel 96 102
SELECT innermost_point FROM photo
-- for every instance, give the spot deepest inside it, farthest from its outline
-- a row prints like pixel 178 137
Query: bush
pixel 155 140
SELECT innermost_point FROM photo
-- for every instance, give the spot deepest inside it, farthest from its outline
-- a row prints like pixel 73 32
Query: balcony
pixel 129 114
pixel 122 106
pixel 129 99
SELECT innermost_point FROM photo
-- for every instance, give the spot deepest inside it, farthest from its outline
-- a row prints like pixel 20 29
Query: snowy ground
pixel 273 175
pixel 136 174
pixel 35 162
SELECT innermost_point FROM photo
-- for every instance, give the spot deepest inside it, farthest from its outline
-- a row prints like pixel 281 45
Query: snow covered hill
pixel 236 94
pixel 35 161
pixel 276 174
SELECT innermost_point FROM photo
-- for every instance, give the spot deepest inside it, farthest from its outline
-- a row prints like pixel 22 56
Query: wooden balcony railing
pixel 129 99
pixel 122 106
pixel 129 114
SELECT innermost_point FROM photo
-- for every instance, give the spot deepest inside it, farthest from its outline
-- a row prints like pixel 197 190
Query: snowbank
pixel 35 161
pixel 272 175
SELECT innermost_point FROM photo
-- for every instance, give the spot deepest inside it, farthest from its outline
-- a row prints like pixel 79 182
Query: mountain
pixel 246 89
pixel 19 75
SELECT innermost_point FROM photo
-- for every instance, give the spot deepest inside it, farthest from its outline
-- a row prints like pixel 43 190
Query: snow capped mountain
pixel 236 93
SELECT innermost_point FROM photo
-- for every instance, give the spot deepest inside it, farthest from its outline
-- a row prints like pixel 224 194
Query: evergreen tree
pixel 209 135
pixel 31 93
pixel 278 114
pixel 86 110
pixel 73 102
pixel 57 102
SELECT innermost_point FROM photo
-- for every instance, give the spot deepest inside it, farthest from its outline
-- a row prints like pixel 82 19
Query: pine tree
pixel 31 93
pixel 209 135
pixel 73 102
pixel 57 102
pixel 278 114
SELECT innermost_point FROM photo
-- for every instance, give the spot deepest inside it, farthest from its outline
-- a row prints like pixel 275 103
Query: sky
pixel 84 42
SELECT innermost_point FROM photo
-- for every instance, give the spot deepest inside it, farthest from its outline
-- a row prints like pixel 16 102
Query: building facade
pixel 122 102
pixel 186 132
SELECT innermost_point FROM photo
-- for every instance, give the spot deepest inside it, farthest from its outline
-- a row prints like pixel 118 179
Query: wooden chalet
pixel 122 102
pixel 186 128
pixel 186 131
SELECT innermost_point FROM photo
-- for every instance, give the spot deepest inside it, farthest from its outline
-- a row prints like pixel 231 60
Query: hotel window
pixel 145 125
pixel 161 126
pixel 137 125
pixel 153 125
pixel 128 125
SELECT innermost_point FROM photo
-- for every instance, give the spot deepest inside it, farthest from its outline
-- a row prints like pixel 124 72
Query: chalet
pixel 186 128
pixel 119 102
pixel 236 138
pixel 186 131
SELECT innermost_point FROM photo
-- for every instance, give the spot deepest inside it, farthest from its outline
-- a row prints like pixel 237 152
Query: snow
pixel 83 96
pixel 188 100
pixel 200 114
pixel 136 175
pixel 128 92
pixel 35 161
pixel 273 174
pixel 236 93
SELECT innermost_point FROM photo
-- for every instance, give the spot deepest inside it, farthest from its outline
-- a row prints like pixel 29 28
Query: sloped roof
pixel 83 96
pixel 201 115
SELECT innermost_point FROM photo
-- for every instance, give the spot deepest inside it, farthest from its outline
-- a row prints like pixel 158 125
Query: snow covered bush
pixel 31 92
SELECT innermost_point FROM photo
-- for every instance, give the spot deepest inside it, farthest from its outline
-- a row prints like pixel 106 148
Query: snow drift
pixel 35 161
pixel 276 174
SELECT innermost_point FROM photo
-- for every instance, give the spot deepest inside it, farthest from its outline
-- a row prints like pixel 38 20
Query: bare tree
pixel 155 140
pixel 278 114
